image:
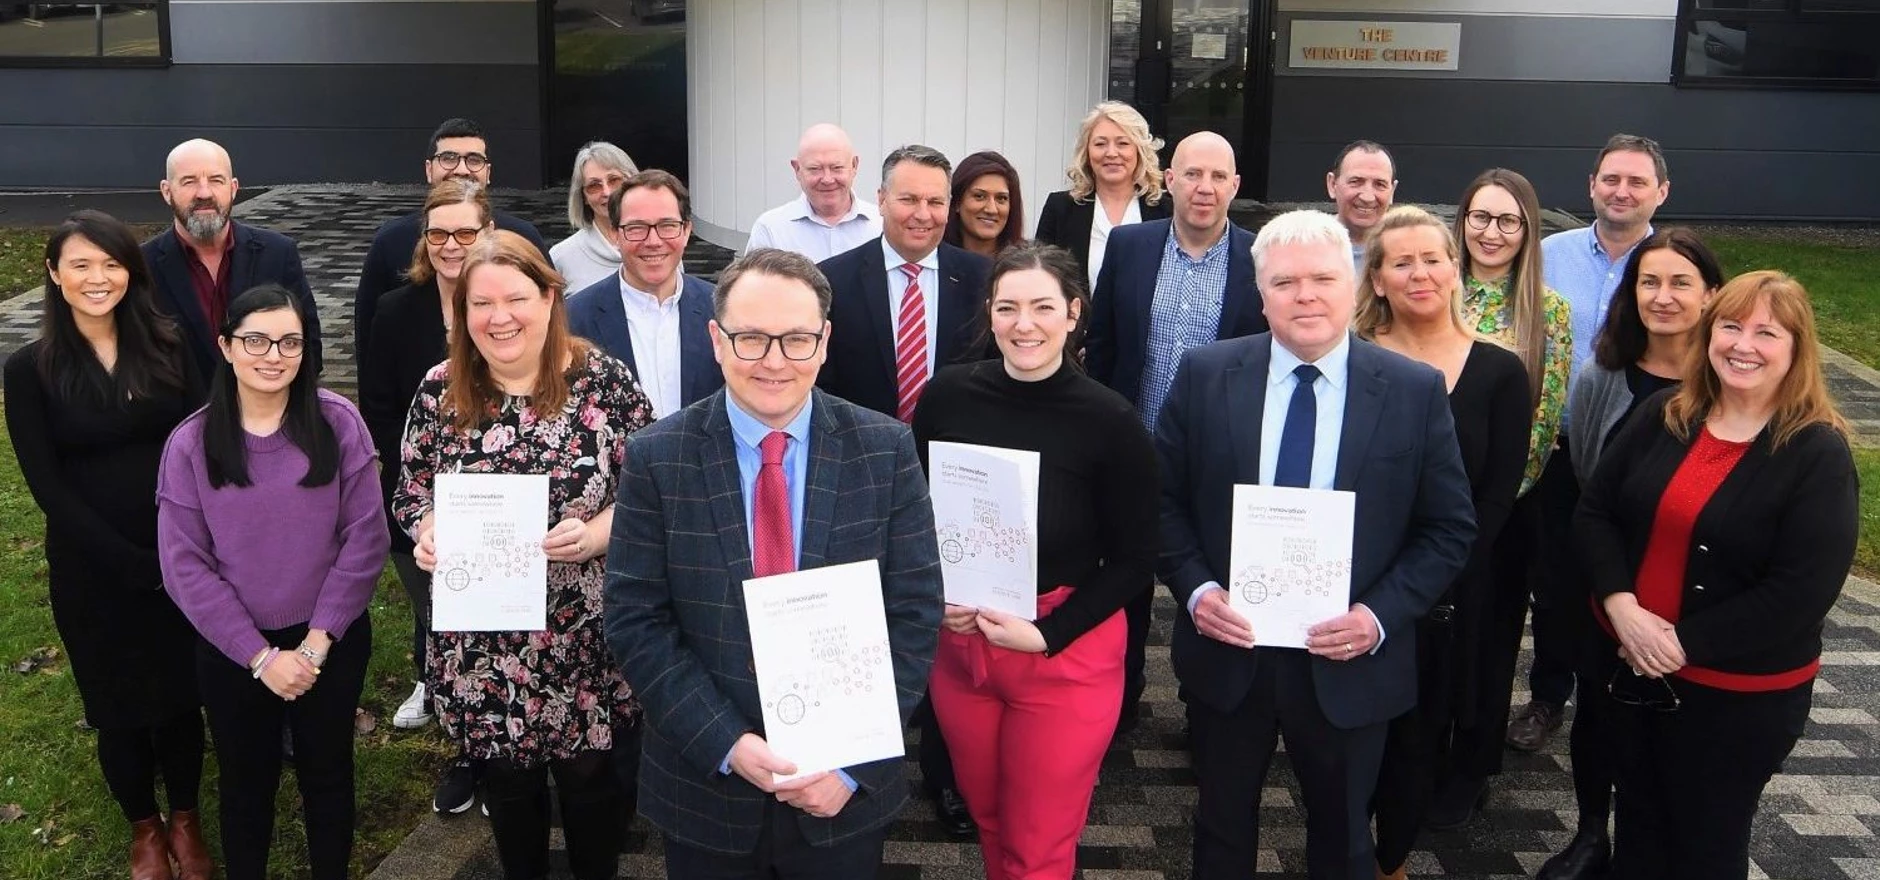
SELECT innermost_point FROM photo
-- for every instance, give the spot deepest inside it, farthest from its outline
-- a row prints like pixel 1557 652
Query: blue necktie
pixel 1294 467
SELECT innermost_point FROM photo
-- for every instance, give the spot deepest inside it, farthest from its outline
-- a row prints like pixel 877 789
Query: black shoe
pixel 1530 728
pixel 951 810
pixel 1585 858
pixel 456 789
pixel 1457 802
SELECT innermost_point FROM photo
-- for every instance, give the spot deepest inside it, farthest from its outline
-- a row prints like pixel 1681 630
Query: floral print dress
pixel 1485 304
pixel 551 694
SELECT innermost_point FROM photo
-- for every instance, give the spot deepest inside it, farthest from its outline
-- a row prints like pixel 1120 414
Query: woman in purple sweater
pixel 271 536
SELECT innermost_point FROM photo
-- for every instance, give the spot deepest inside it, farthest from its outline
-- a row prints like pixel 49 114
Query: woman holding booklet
pixel 521 395
pixel 1028 706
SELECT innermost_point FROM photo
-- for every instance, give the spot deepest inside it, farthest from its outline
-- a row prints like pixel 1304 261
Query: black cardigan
pixel 1768 554
pixel 1065 222
pixel 408 341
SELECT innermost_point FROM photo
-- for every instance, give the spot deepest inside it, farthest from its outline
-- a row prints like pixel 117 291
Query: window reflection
pixel 81 30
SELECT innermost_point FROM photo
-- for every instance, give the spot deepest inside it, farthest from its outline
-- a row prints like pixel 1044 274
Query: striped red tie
pixel 910 345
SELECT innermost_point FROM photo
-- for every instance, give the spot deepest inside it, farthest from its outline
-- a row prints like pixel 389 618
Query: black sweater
pixel 1097 481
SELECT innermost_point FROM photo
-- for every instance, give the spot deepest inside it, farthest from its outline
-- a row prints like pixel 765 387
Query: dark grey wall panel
pixel 384 32
pixel 1732 153
pixel 282 124
pixel 1552 47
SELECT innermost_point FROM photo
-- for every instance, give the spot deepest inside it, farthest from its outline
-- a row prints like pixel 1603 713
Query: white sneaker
pixel 415 711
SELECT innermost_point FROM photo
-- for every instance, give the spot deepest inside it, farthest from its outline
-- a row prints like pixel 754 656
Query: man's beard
pixel 202 227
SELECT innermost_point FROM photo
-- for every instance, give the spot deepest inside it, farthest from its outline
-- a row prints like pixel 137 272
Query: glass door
pixel 1199 65
pixel 615 72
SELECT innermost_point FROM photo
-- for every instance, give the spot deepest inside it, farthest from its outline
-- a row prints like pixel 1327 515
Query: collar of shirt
pixel 1335 366
pixel 1599 247
pixel 228 247
pixel 858 209
pixel 1329 399
pixel 751 432
pixel 1216 251
pixel 637 300
pixel 929 263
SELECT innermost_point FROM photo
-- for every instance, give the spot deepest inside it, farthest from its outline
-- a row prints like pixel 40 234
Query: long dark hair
pixel 225 443
pixel 1622 338
pixel 971 169
pixel 150 352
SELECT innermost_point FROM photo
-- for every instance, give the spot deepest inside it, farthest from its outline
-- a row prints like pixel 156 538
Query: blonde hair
pixel 1136 128
pixel 1374 313
pixel 444 193
pixel 471 397
pixel 1802 398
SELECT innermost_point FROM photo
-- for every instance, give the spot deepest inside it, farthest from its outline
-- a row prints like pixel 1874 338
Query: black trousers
pixel 1476 751
pixel 132 757
pixel 417 583
pixel 1690 780
pixel 245 718
pixel 1139 612
pixel 936 763
pixel 1337 771
pixel 1590 740
pixel 781 854
pixel 1557 584
pixel 591 815
pixel 1415 746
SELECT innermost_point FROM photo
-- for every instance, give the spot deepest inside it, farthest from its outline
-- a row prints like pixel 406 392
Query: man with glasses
pixel 458 149
pixel 767 477
pixel 827 219
pixel 206 258
pixel 651 315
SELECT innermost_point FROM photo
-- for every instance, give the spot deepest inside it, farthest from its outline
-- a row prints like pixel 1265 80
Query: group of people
pixel 1598 426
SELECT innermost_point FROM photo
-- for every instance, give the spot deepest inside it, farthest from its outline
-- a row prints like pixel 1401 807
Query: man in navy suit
pixel 1311 406
pixel 767 475
pixel 206 258
pixel 1167 286
pixel 651 315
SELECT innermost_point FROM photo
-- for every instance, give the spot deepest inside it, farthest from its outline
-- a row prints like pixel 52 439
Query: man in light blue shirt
pixel 1628 184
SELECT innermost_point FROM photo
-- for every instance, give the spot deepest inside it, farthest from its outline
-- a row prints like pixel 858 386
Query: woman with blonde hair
pixel 1113 168
pixel 1409 302
pixel 1717 530
pixel 590 253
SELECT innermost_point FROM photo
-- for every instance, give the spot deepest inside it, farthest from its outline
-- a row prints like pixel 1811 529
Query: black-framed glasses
pixel 466 236
pixel 1628 688
pixel 1509 224
pixel 667 229
pixel 750 345
pixel 610 183
pixel 257 344
pixel 471 161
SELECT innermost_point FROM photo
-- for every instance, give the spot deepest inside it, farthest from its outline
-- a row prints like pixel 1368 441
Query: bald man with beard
pixel 827 219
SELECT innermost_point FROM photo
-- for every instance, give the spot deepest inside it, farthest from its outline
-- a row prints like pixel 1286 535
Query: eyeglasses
pixel 1624 688
pixel 667 229
pixel 472 161
pixel 1509 224
pixel 750 345
pixel 257 344
pixel 466 236
pixel 596 187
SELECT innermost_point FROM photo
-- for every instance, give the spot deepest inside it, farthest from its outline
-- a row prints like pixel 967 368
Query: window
pixel 1817 44
pixel 84 34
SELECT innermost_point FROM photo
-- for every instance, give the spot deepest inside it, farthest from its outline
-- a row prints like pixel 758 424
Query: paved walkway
pixel 1818 821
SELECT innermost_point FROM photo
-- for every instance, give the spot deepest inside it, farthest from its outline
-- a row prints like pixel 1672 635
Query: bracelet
pixel 315 657
pixel 263 662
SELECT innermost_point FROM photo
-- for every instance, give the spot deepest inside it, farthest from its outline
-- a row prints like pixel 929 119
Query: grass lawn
pixel 48 767
pixel 1840 280
pixel 23 255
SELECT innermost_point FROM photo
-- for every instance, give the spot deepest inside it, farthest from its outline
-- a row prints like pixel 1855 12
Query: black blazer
pixel 259 256
pixel 1414 527
pixel 1066 222
pixel 390 256
pixel 596 314
pixel 860 368
pixel 410 342
pixel 1116 351
pixel 1768 554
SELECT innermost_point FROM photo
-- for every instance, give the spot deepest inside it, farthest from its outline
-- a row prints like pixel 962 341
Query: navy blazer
pixel 1414 524
pixel 675 614
pixel 389 258
pixel 1116 351
pixel 597 315
pixel 258 256
pixel 860 368
pixel 1066 222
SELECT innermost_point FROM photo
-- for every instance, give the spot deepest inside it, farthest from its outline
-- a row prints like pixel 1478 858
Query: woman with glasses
pixel 1717 529
pixel 988 212
pixel 520 394
pixel 88 407
pixel 1505 299
pixel 590 253
pixel 1115 179
pixel 272 537
pixel 1028 706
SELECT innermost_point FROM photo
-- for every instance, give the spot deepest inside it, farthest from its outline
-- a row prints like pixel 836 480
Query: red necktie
pixel 910 346
pixel 773 551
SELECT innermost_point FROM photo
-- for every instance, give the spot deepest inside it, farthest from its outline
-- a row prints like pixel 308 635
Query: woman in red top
pixel 1718 529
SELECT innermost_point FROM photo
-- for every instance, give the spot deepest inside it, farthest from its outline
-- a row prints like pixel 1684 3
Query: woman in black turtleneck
pixel 1028 707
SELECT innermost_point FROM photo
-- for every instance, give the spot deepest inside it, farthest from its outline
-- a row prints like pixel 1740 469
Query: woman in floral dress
pixel 521 395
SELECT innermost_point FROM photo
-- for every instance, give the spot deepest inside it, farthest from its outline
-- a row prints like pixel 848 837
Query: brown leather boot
pixel 192 855
pixel 1393 875
pixel 150 851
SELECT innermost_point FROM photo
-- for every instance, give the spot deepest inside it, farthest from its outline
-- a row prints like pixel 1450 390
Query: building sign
pixel 1376 45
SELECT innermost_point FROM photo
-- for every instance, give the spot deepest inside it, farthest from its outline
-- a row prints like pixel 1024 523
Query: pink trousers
pixel 1027 733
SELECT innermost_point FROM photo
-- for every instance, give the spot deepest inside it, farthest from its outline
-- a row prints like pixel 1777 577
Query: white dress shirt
pixel 929 294
pixel 1100 227
pixel 794 226
pixel 653 326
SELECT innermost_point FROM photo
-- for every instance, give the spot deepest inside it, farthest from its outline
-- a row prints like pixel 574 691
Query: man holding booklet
pixel 771 478
pixel 1293 426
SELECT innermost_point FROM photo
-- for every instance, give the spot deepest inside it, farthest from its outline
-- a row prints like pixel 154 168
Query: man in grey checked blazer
pixel 682 548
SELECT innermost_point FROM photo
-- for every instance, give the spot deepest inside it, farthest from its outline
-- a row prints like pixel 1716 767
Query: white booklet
pixel 985 513
pixel 1291 560
pixel 825 672
pixel 491 571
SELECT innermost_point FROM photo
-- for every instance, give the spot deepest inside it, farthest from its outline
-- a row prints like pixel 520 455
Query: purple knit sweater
pixel 272 554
